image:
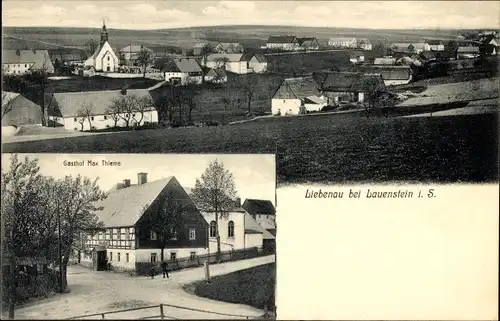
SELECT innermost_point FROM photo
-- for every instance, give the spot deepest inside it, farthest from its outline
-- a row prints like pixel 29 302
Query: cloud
pixel 230 8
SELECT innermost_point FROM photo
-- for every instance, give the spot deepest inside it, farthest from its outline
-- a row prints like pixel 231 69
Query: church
pixel 104 58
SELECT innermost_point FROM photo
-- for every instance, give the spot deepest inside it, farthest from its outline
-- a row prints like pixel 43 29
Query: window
pixel 25 65
pixel 230 229
pixel 131 233
pixel 192 234
pixel 153 257
pixel 213 229
pixel 74 119
pixel 174 234
pixel 91 117
pixel 173 256
pixel 119 234
pixel 110 256
pixel 192 256
pixel 118 256
pixel 152 236
pixel 105 117
pixel 108 58
pixel 126 257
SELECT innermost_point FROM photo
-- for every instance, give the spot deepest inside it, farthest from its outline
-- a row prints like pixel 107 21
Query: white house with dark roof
pixel 308 43
pixel 263 211
pixel 238 63
pixel 20 62
pixel 216 76
pixel 104 58
pixel 287 43
pixel 183 71
pixel 343 42
pixel 365 44
pixel 131 52
pixel 258 64
pixel 392 75
pixel 297 96
pixel 414 47
pixel 66 109
pixel 228 47
pixel 436 45
pixel 130 235
pixel 18 111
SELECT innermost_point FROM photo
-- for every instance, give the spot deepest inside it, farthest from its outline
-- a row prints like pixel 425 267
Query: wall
pixel 290 106
pixel 258 67
pixel 16 69
pixel 144 255
pixel 254 240
pixel 314 107
pixel 238 67
pixel 397 82
pixel 228 243
pixel 104 121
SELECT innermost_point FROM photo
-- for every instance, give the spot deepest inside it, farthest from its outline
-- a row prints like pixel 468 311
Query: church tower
pixel 104 33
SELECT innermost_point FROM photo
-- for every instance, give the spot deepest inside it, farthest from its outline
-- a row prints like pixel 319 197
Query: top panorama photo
pixel 395 91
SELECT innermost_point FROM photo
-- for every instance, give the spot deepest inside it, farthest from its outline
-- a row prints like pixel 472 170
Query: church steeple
pixel 104 33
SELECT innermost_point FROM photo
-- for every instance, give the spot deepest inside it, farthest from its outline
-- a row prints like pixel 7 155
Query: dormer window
pixel 152 236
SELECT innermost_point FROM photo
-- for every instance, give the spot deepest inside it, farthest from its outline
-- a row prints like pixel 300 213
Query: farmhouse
pixel 104 58
pixel 20 62
pixel 238 63
pixel 183 71
pixel 464 52
pixel 297 96
pixel 365 44
pixel 489 44
pixel 92 109
pixel 416 47
pixel 130 53
pixel 258 64
pixel 228 47
pixel 347 86
pixel 392 75
pixel 385 61
pixel 343 42
pixel 263 212
pixel 287 43
pixel 130 214
pixel 17 111
pixel 216 76
pixel 309 43
pixel 436 45
pixel 356 57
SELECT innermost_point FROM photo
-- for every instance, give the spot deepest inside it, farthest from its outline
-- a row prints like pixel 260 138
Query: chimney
pixel 119 186
pixel 126 183
pixel 142 178
pixel 237 202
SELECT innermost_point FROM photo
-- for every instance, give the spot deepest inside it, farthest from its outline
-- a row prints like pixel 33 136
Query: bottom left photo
pixel 139 236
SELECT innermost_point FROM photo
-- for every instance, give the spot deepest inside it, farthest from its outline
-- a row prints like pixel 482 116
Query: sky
pixel 254 174
pixel 132 14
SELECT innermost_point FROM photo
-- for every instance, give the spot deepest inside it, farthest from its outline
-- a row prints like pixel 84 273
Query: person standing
pixel 164 267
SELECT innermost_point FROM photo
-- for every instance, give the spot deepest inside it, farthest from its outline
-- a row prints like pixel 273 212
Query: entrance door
pixel 101 260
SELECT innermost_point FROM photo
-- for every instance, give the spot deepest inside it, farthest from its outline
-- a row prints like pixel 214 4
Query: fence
pixel 158 312
pixel 144 268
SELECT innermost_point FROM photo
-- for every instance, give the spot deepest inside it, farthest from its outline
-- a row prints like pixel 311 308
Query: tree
pixel 215 192
pixel 221 62
pixel 40 78
pixel 144 60
pixel 168 221
pixel 377 97
pixel 141 105
pixel 249 84
pixel 231 98
pixel 205 51
pixel 7 103
pixel 191 94
pixel 114 111
pixel 85 112
pixel 91 46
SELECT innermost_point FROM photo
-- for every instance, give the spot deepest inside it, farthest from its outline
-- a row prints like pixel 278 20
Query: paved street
pixel 97 292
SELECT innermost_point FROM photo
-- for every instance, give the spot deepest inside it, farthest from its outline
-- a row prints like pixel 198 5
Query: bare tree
pixel 231 98
pixel 205 51
pixel 123 108
pixel 378 99
pixel 249 84
pixel 221 62
pixel 114 110
pixel 7 103
pixel 141 106
pixel 144 60
pixel 40 78
pixel 91 46
pixel 215 192
pixel 86 112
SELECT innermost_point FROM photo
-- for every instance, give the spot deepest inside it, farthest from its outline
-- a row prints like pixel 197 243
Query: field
pixel 254 286
pixel 328 148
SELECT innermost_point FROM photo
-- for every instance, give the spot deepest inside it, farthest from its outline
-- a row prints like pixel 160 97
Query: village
pixel 105 88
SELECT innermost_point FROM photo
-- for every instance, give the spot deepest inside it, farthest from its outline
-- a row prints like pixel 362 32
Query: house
pixel 216 76
pixel 263 212
pixel 385 61
pixel 347 86
pixel 297 96
pixel 489 44
pixel 365 44
pixel 129 236
pixel 258 64
pixel 392 75
pixel 308 43
pixel 237 63
pixel 356 57
pixel 228 47
pixel 67 109
pixel 17 111
pixel 130 53
pixel 414 47
pixel 197 48
pixel 465 52
pixel 183 71
pixel 343 42
pixel 104 58
pixel 436 45
pixel 287 43
pixel 20 62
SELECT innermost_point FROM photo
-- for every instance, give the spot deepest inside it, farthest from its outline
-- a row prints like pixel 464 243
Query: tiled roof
pixel 67 104
pixel 468 49
pixel 124 207
pixel 281 39
pixel 251 225
pixel 266 222
pixel 260 58
pixel 348 81
pixel 297 88
pixel 182 65
pixel 38 57
pixel 231 56
pixel 254 206
pixel 21 110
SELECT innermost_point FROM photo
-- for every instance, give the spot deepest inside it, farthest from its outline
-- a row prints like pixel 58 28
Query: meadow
pixel 325 148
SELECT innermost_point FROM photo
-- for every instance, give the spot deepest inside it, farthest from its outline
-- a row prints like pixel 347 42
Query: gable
pixel 22 111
